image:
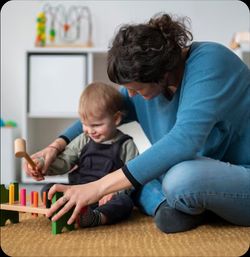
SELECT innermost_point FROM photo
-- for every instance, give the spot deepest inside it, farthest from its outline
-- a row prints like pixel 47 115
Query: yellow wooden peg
pixel 11 194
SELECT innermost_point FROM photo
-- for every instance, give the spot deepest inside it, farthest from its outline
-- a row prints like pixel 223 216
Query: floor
pixel 137 236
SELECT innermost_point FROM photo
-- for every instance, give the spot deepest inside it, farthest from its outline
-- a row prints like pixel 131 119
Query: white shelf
pixel 68 50
pixel 53 115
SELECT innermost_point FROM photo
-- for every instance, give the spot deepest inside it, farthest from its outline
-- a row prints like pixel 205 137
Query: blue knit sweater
pixel 209 115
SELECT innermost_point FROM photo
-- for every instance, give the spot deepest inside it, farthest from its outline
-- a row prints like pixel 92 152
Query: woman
pixel 192 102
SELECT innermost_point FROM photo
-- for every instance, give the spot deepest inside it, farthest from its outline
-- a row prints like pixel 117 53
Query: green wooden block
pixel 58 225
pixel 5 215
pixel 16 191
pixel 4 194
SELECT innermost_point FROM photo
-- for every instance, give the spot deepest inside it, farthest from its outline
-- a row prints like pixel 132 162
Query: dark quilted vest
pixel 97 160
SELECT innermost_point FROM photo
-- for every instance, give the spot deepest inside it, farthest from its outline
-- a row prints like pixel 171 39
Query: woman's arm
pixel 50 152
pixel 207 99
pixel 82 195
pixel 72 131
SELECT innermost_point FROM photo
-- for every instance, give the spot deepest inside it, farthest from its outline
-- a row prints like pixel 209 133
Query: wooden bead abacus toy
pixel 10 207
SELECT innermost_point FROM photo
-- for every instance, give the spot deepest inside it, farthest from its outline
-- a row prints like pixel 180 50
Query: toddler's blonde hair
pixel 99 99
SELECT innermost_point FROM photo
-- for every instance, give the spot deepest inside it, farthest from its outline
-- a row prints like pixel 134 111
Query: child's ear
pixel 118 118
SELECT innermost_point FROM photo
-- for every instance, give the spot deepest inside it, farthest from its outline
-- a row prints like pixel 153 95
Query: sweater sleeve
pixel 72 132
pixel 128 151
pixel 69 157
pixel 194 122
pixel 208 96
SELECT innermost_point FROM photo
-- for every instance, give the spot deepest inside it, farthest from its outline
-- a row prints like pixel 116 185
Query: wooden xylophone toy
pixel 10 207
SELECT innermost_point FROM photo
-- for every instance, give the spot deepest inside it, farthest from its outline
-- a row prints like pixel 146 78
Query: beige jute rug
pixel 137 236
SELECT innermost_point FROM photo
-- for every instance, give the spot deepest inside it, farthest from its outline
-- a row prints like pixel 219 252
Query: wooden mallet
pixel 20 152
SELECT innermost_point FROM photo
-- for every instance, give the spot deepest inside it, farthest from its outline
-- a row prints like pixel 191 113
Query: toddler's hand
pixel 36 173
pixel 48 155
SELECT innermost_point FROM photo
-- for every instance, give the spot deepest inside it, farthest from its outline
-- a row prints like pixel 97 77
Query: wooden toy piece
pixel 16 191
pixel 58 225
pixel 20 151
pixel 16 207
pixel 23 196
pixel 46 201
pixel 35 202
pixel 11 194
pixel 31 197
pixel 11 211
pixel 5 215
pixel 4 193
pixel 44 198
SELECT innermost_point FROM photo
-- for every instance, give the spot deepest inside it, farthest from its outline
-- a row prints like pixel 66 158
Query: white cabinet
pixel 55 80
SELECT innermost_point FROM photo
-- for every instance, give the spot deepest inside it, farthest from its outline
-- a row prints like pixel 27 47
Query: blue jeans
pixel 202 184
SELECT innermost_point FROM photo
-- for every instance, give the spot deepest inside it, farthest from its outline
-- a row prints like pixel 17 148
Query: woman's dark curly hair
pixel 145 52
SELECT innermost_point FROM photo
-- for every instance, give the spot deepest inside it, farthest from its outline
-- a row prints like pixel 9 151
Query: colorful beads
pixel 41 29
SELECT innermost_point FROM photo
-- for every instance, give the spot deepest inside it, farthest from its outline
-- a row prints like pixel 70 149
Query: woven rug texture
pixel 135 237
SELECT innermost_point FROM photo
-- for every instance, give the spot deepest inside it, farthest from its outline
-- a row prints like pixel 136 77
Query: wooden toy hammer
pixel 20 151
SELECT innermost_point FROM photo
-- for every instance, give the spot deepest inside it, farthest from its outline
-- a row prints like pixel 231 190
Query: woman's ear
pixel 118 118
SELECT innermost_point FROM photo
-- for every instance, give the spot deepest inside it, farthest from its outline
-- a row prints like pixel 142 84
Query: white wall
pixel 211 20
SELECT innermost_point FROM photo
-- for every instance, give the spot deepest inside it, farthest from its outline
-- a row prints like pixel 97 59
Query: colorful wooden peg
pixel 23 196
pixel 11 194
pixel 35 202
pixel 31 197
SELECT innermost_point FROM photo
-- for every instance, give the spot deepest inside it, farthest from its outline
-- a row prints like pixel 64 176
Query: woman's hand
pixel 78 196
